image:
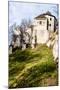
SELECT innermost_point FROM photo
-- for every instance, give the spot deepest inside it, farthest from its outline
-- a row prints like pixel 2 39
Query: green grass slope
pixel 32 68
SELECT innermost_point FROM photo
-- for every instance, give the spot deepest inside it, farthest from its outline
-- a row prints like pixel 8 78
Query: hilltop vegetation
pixel 32 68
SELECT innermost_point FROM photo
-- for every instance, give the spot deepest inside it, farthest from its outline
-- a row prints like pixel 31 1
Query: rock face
pixel 53 42
pixel 16 38
pixel 23 46
pixel 16 32
pixel 55 48
pixel 17 42
pixel 50 43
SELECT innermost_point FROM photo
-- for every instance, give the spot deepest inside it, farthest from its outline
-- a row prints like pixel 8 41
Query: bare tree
pixel 25 23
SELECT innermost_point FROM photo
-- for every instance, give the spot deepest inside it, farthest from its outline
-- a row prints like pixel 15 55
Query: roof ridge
pixel 43 15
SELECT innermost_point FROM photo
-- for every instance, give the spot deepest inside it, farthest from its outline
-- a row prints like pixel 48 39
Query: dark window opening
pixel 50 18
pixel 49 24
pixel 40 22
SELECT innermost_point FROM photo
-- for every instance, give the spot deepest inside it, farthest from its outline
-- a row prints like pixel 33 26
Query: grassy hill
pixel 32 68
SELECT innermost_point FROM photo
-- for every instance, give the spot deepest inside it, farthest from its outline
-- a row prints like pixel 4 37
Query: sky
pixel 21 10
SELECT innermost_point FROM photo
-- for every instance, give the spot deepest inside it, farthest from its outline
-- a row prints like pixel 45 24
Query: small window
pixel 50 18
pixel 49 24
pixel 40 22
